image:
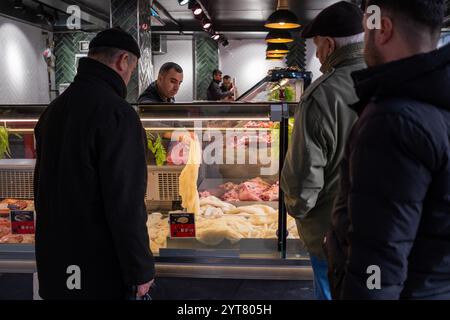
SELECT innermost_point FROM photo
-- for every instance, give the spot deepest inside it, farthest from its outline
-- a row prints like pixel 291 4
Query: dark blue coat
pixel 394 205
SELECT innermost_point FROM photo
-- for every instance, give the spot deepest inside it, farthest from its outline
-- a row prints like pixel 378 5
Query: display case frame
pixel 21 258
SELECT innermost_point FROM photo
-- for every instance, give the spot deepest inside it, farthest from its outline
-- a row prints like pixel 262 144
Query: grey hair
pixel 345 41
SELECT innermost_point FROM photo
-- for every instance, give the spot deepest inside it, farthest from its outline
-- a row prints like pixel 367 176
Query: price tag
pixel 22 222
pixel 182 225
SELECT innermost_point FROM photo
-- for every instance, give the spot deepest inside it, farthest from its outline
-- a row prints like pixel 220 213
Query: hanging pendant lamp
pixel 279 36
pixel 277 48
pixel 283 18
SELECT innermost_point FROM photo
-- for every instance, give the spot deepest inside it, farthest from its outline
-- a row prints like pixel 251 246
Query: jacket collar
pixel 421 77
pixel 90 68
pixel 343 56
pixel 153 90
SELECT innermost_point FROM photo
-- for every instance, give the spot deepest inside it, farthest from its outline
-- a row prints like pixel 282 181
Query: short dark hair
pixel 227 77
pixel 429 13
pixel 166 67
pixel 216 72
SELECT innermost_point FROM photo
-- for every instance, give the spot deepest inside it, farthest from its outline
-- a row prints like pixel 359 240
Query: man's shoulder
pixel 149 95
pixel 404 107
pixel 335 86
pixel 406 118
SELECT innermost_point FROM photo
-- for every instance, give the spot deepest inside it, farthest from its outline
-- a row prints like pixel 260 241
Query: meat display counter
pixel 280 85
pixel 213 171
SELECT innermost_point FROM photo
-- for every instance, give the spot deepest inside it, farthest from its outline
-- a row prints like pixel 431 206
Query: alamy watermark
pixel 374 280
pixel 74 279
pixel 74 20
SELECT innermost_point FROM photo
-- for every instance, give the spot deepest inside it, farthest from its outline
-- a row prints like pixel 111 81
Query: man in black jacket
pixel 391 225
pixel 165 88
pixel 90 182
pixel 214 92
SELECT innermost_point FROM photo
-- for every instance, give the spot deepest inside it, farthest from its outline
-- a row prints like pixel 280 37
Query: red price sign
pixel 182 225
pixel 22 222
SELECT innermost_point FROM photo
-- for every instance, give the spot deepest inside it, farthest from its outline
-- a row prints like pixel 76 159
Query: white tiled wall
pixel 181 52
pixel 246 61
pixel 24 77
pixel 312 63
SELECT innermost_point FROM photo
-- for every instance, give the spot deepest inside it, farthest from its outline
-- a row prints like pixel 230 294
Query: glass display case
pixel 233 174
pixel 280 85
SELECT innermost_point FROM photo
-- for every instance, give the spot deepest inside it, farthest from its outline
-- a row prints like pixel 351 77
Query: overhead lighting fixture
pixel 279 36
pixel 274 59
pixel 283 18
pixel 55 17
pixel 183 2
pixel 277 48
pixel 206 24
pixel 18 4
pixel 196 8
pixel 215 36
pixel 275 55
pixel 40 11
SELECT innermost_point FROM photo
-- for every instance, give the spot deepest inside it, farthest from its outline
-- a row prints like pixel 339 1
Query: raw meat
pixel 271 194
pixel 259 124
pixel 252 190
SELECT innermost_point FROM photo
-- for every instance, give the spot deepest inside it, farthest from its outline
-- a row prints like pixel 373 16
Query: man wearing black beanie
pixel 90 182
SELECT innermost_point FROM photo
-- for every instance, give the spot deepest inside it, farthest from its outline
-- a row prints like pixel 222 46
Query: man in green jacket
pixel 323 122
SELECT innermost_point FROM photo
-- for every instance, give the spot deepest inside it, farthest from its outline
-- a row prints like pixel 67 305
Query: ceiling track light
pixel 206 24
pixel 215 36
pixel 279 36
pixel 282 18
pixel 277 48
pixel 18 4
pixel 183 2
pixel 196 8
pixel 40 11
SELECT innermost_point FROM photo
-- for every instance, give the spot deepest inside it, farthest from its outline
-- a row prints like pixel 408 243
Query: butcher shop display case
pixel 280 85
pixel 213 196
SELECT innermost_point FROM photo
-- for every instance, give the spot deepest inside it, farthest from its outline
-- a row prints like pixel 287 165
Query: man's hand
pixel 142 289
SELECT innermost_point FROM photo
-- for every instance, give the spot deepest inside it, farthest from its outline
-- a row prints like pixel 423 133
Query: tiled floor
pixel 20 287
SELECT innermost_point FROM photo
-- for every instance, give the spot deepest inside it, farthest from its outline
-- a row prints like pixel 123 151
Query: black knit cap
pixel 116 38
pixel 342 19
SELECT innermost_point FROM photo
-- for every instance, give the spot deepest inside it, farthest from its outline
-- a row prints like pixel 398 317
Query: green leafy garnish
pixel 4 143
pixel 158 150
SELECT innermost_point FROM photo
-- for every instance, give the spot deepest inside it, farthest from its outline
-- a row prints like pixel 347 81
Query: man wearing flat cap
pixel 323 122
pixel 90 182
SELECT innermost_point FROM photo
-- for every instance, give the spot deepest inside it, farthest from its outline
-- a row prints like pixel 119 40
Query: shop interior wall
pixel 25 79
pixel 179 51
pixel 245 60
pixel 312 63
pixel 67 52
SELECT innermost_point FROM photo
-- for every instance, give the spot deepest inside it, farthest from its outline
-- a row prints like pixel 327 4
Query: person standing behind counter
pixel 228 85
pixel 165 88
pixel 214 92
pixel 90 182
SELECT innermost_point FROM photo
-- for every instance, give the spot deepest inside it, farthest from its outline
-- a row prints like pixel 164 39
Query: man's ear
pixel 331 44
pixel 386 32
pixel 123 62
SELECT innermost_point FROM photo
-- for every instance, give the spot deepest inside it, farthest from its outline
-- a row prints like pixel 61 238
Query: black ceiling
pixel 227 15
pixel 236 15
